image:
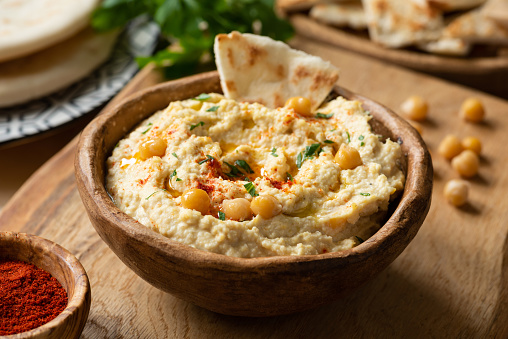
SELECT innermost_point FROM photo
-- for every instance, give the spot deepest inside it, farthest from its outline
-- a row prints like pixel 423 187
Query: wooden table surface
pixel 450 281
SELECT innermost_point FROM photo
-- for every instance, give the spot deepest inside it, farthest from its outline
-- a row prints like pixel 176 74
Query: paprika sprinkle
pixel 29 297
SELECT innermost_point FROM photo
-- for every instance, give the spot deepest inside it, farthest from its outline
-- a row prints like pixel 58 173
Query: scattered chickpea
pixel 472 110
pixel 301 105
pixel 348 157
pixel 450 147
pixel 266 206
pixel 456 191
pixel 415 108
pixel 473 144
pixel 237 209
pixel 196 199
pixel 152 147
pixel 466 163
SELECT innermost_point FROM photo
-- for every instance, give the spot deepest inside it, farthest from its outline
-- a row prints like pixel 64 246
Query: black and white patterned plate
pixel 59 108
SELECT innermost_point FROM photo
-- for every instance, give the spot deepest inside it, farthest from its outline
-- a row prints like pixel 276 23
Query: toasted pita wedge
pixel 454 5
pixel 475 27
pixel 398 23
pixel 27 26
pixel 53 68
pixel 497 10
pixel 350 14
pixel 446 46
pixel 300 5
pixel 258 69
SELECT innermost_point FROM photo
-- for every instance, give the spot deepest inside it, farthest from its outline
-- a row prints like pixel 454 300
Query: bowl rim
pixel 398 226
pixel 81 295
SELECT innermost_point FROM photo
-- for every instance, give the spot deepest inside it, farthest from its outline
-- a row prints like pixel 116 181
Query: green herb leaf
pixel 154 193
pixel 234 171
pixel 359 239
pixel 365 194
pixel 208 158
pixel 149 126
pixel 362 144
pixel 299 160
pixel 213 109
pixel 348 137
pixel 361 137
pixel 290 177
pixel 251 189
pixel 329 142
pixel 178 179
pixel 244 165
pixel 324 116
pixel 172 175
pixel 201 123
pixel 174 154
pixel 222 215
pixel 274 152
pixel 310 150
pixel 202 97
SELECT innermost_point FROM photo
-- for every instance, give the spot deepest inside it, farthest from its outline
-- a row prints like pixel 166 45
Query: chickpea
pixel 456 192
pixel 266 206
pixel 415 108
pixel 152 147
pixel 466 163
pixel 473 144
pixel 300 105
pixel 472 110
pixel 237 209
pixel 196 199
pixel 348 157
pixel 450 147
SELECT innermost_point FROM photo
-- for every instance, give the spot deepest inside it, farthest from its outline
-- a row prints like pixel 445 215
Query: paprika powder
pixel 29 297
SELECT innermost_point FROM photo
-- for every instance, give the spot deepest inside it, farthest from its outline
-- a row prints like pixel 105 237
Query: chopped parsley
pixel 365 194
pixel 308 154
pixel 274 152
pixel 154 193
pixel 172 175
pixel 234 171
pixel 222 215
pixel 324 116
pixel 251 189
pixel 348 137
pixel 362 144
pixel 299 160
pixel 201 123
pixel 290 177
pixel 202 97
pixel 213 109
pixel 244 165
pixel 359 239
pixel 178 179
pixel 361 137
pixel 329 142
pixel 208 158
pixel 146 130
pixel 174 154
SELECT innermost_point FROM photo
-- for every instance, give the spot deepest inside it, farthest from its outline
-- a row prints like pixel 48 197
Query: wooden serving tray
pixel 450 281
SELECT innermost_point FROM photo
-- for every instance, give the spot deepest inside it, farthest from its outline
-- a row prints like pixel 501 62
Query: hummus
pixel 291 157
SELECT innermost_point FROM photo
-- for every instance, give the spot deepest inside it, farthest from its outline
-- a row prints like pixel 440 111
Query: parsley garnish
pixel 359 239
pixel 362 144
pixel 289 176
pixel 201 123
pixel 234 171
pixel 299 160
pixel 208 158
pixel 172 175
pixel 174 154
pixel 178 179
pixel 308 154
pixel 202 97
pixel 213 109
pixel 222 215
pixel 329 142
pixel 251 189
pixel 361 137
pixel 146 130
pixel 244 165
pixel 365 194
pixel 274 150
pixel 154 193
pixel 324 116
pixel 348 137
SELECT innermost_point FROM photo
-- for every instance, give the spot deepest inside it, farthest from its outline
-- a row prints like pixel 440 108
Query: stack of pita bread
pixel 46 45
pixel 445 27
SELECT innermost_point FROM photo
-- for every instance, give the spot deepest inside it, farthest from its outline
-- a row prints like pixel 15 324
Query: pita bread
pixel 54 68
pixel 475 27
pixel 398 23
pixel 496 10
pixel 258 69
pixel 454 5
pixel 446 46
pixel 349 14
pixel 27 26
pixel 300 5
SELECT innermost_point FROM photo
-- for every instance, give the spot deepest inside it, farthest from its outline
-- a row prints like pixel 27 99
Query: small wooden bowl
pixel 237 286
pixel 62 265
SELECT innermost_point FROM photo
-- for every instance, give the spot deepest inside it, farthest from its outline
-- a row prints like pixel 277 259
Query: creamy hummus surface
pixel 212 142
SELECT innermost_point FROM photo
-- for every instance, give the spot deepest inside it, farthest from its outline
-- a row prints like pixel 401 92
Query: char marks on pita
pixel 254 68
pixel 475 27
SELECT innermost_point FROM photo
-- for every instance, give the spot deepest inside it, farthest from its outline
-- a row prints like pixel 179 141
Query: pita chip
pixel 399 23
pixel 475 27
pixel 446 46
pixel 350 14
pixel 254 68
pixel 454 5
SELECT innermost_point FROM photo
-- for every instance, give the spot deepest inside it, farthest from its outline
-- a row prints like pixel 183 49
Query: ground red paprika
pixel 29 297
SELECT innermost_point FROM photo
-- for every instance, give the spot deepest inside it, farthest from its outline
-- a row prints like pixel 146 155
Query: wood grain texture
pixel 449 282
pixel 62 265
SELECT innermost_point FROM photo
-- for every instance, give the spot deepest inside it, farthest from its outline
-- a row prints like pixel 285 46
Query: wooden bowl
pixel 62 265
pixel 238 286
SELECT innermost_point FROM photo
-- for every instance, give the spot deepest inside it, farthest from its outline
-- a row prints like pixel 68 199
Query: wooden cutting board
pixel 450 281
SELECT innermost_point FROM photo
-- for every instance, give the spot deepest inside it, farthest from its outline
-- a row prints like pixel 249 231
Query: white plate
pixel 41 115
